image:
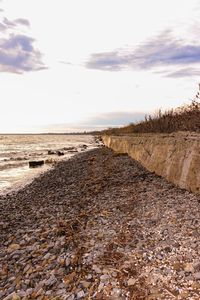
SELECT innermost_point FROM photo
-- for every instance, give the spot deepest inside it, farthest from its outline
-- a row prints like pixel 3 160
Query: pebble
pixel 14 247
pixel 189 267
pixel 71 297
pixel 101 286
pixel 99 226
pixel 104 278
pixel 67 262
pixel 51 281
pixel 96 269
pixel 80 295
pixel 197 276
pixel 131 281
pixel 85 284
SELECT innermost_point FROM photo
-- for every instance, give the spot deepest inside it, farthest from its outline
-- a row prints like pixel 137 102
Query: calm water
pixel 17 150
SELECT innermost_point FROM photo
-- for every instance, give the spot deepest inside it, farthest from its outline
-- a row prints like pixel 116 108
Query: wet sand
pixel 99 226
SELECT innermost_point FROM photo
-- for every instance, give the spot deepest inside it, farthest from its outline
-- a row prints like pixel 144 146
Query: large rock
pixel 36 163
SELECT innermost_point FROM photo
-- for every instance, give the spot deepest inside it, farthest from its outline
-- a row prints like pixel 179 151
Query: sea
pixel 16 151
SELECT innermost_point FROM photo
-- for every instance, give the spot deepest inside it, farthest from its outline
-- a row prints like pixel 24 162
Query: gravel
pixel 99 226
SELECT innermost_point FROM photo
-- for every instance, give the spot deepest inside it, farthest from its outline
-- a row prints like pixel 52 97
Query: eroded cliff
pixel 174 156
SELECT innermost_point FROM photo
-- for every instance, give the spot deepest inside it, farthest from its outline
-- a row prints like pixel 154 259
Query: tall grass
pixel 184 118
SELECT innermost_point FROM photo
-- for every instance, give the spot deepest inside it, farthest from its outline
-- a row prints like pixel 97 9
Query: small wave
pixel 4 158
pixel 7 166
pixel 18 158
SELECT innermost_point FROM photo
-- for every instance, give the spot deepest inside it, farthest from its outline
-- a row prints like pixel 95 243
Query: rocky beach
pixel 99 226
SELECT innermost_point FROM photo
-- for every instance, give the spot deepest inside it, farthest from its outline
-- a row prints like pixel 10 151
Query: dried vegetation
pixel 184 118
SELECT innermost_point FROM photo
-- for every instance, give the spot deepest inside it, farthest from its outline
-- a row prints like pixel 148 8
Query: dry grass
pixel 184 118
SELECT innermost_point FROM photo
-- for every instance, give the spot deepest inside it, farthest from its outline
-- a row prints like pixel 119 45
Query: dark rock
pixel 84 146
pixel 51 152
pixel 59 153
pixel 36 163
pixel 68 148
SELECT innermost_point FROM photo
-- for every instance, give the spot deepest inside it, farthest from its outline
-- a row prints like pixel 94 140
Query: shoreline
pixel 99 225
pixel 32 173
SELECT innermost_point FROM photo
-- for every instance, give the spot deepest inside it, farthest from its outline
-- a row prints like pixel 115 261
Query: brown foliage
pixel 184 118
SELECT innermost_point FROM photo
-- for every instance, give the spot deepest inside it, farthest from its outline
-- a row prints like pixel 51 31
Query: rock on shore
pixel 99 226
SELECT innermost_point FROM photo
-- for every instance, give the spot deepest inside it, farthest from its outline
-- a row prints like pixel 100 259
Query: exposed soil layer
pixel 99 226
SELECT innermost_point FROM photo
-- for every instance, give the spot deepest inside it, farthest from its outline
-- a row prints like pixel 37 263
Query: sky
pixel 73 65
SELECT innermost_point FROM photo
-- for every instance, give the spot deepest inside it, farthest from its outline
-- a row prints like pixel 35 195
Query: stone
pixel 61 292
pixel 27 267
pixel 21 294
pixel 39 292
pixel 67 262
pixel 47 256
pixel 29 291
pixel 80 294
pixel 116 292
pixel 189 268
pixel 197 266
pixel 71 297
pixel 51 281
pixel 114 274
pixel 9 297
pixel 104 277
pixel 60 153
pixel 197 275
pixel 96 269
pixel 14 247
pixel 61 261
pixel 85 284
pixel 36 163
pixel 2 294
pixel 131 281
pixel 16 297
pixel 51 152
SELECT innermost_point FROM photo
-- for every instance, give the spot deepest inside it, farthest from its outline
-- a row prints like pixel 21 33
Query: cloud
pixel 18 55
pixel 162 51
pixel 22 21
pixel 8 24
pixel 185 72
pixel 116 118
pixel 17 51
pixel 110 61
pixel 2 27
pixel 65 63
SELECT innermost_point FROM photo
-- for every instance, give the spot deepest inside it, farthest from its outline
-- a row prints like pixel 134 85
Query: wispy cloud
pixel 184 72
pixel 65 63
pixel 161 51
pixel 116 118
pixel 22 21
pixel 17 51
pixel 13 24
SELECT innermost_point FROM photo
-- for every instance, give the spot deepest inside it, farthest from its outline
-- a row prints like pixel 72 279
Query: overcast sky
pixel 72 63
